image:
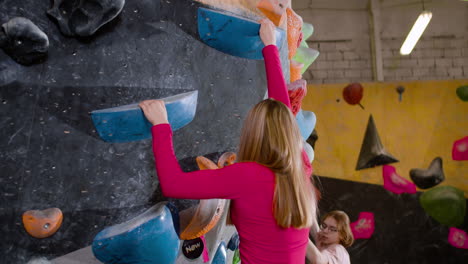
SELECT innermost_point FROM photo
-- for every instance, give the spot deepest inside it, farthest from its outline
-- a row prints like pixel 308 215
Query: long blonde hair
pixel 270 137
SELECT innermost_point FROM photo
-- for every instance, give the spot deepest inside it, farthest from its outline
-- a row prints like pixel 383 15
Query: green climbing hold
pixel 446 204
pixel 462 92
pixel 307 31
pixel 305 56
pixel 236 257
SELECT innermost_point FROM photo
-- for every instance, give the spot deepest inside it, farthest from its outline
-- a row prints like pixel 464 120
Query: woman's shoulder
pixel 338 247
pixel 251 167
pixel 338 254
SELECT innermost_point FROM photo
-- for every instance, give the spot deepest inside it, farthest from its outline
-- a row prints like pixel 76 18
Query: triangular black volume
pixel 373 152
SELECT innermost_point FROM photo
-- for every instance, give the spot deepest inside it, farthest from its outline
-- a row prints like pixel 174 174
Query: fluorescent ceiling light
pixel 416 32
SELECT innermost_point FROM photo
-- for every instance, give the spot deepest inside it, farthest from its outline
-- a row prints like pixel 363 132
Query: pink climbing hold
pixel 205 254
pixel 297 91
pixel 364 226
pixel 460 149
pixel 395 183
pixel 458 238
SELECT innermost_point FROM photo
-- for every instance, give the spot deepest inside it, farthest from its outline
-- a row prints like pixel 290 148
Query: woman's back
pixel 261 239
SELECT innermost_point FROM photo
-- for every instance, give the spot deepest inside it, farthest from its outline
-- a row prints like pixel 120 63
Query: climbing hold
pixel 306 56
pixel 84 17
pixel 312 138
pixel 372 151
pixel 42 224
pixel 460 149
pixel 458 238
pixel 233 35
pixel 23 41
pixel 395 183
pixel 462 93
pixel 233 243
pixel 205 164
pixel 306 121
pixel 297 91
pixel 220 255
pixel 427 178
pixel 198 220
pixel 147 238
pixel 310 152
pixel 274 10
pixel 446 204
pixel 236 257
pixel 295 69
pixel 400 90
pixel 294 31
pixel 364 227
pixel 353 93
pixel 228 158
pixel 307 31
pixel 128 123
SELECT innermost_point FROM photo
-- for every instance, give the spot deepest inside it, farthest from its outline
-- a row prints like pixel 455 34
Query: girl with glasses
pixel 332 238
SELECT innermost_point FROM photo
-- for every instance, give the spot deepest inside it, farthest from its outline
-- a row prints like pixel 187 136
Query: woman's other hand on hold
pixel 155 111
pixel 267 32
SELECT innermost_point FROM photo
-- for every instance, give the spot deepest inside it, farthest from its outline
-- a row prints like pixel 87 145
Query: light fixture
pixel 416 32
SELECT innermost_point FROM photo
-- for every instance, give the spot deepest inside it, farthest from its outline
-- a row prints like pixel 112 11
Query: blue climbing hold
pixel 306 121
pixel 128 123
pixel 220 255
pixel 148 238
pixel 233 35
pixel 233 243
pixel 310 151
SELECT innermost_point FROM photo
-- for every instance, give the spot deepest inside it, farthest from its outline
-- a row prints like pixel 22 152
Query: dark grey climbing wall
pixel 50 154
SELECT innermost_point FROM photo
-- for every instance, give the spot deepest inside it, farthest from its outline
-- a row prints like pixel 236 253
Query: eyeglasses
pixel 324 227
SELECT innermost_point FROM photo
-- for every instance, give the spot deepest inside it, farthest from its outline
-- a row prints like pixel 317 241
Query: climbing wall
pixel 393 156
pixel 53 155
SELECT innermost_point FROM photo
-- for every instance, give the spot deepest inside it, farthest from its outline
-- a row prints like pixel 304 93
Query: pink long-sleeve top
pixel 250 187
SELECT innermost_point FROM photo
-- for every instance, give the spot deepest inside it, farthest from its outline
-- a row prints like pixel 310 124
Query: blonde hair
pixel 270 137
pixel 344 229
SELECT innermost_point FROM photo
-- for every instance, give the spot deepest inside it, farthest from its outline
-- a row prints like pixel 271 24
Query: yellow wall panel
pixel 422 126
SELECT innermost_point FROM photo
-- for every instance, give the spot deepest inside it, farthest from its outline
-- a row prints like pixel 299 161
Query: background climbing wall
pixel 415 130
pixel 424 125
pixel 51 156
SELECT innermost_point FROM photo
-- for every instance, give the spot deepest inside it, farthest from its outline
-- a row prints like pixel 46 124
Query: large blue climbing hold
pixel 306 121
pixel 128 123
pixel 220 255
pixel 233 35
pixel 148 238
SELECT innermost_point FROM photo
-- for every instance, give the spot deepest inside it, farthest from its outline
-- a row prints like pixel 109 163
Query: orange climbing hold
pixel 294 31
pixel 274 10
pixel 295 69
pixel 198 220
pixel 205 164
pixel 228 158
pixel 42 224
